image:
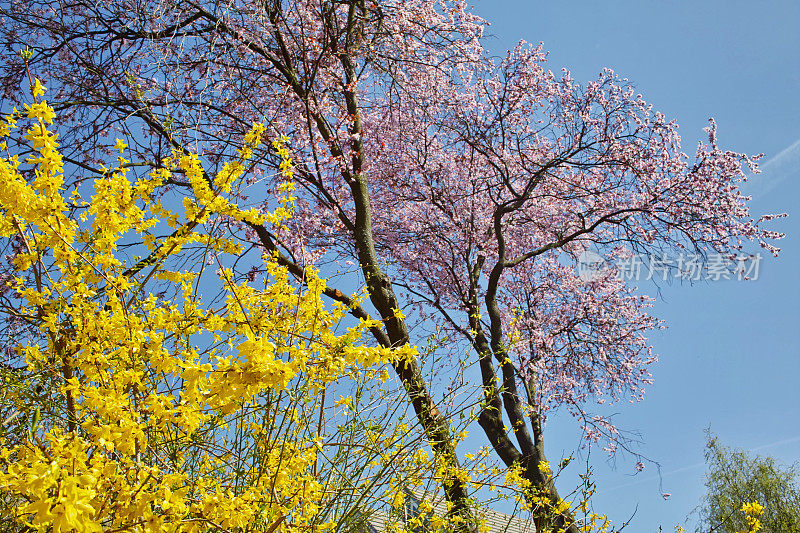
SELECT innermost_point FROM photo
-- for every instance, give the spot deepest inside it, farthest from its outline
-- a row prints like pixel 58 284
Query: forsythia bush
pixel 174 415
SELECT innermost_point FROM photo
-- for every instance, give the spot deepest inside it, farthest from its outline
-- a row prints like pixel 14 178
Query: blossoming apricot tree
pixel 462 186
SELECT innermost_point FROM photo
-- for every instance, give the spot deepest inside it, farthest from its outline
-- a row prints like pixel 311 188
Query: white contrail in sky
pixel 697 465
pixel 775 170
pixel 777 443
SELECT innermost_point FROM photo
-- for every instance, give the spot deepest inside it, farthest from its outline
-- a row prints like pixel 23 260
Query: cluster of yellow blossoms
pixel 157 393
pixel 752 511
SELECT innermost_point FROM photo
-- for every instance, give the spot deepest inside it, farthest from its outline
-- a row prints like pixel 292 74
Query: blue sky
pixel 730 358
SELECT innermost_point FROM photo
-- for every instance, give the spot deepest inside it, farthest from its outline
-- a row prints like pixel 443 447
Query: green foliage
pixel 735 477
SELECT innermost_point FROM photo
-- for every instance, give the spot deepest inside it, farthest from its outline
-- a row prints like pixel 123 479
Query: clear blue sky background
pixel 731 355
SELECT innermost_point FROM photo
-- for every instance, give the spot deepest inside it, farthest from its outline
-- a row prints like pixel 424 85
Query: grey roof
pixel 379 521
